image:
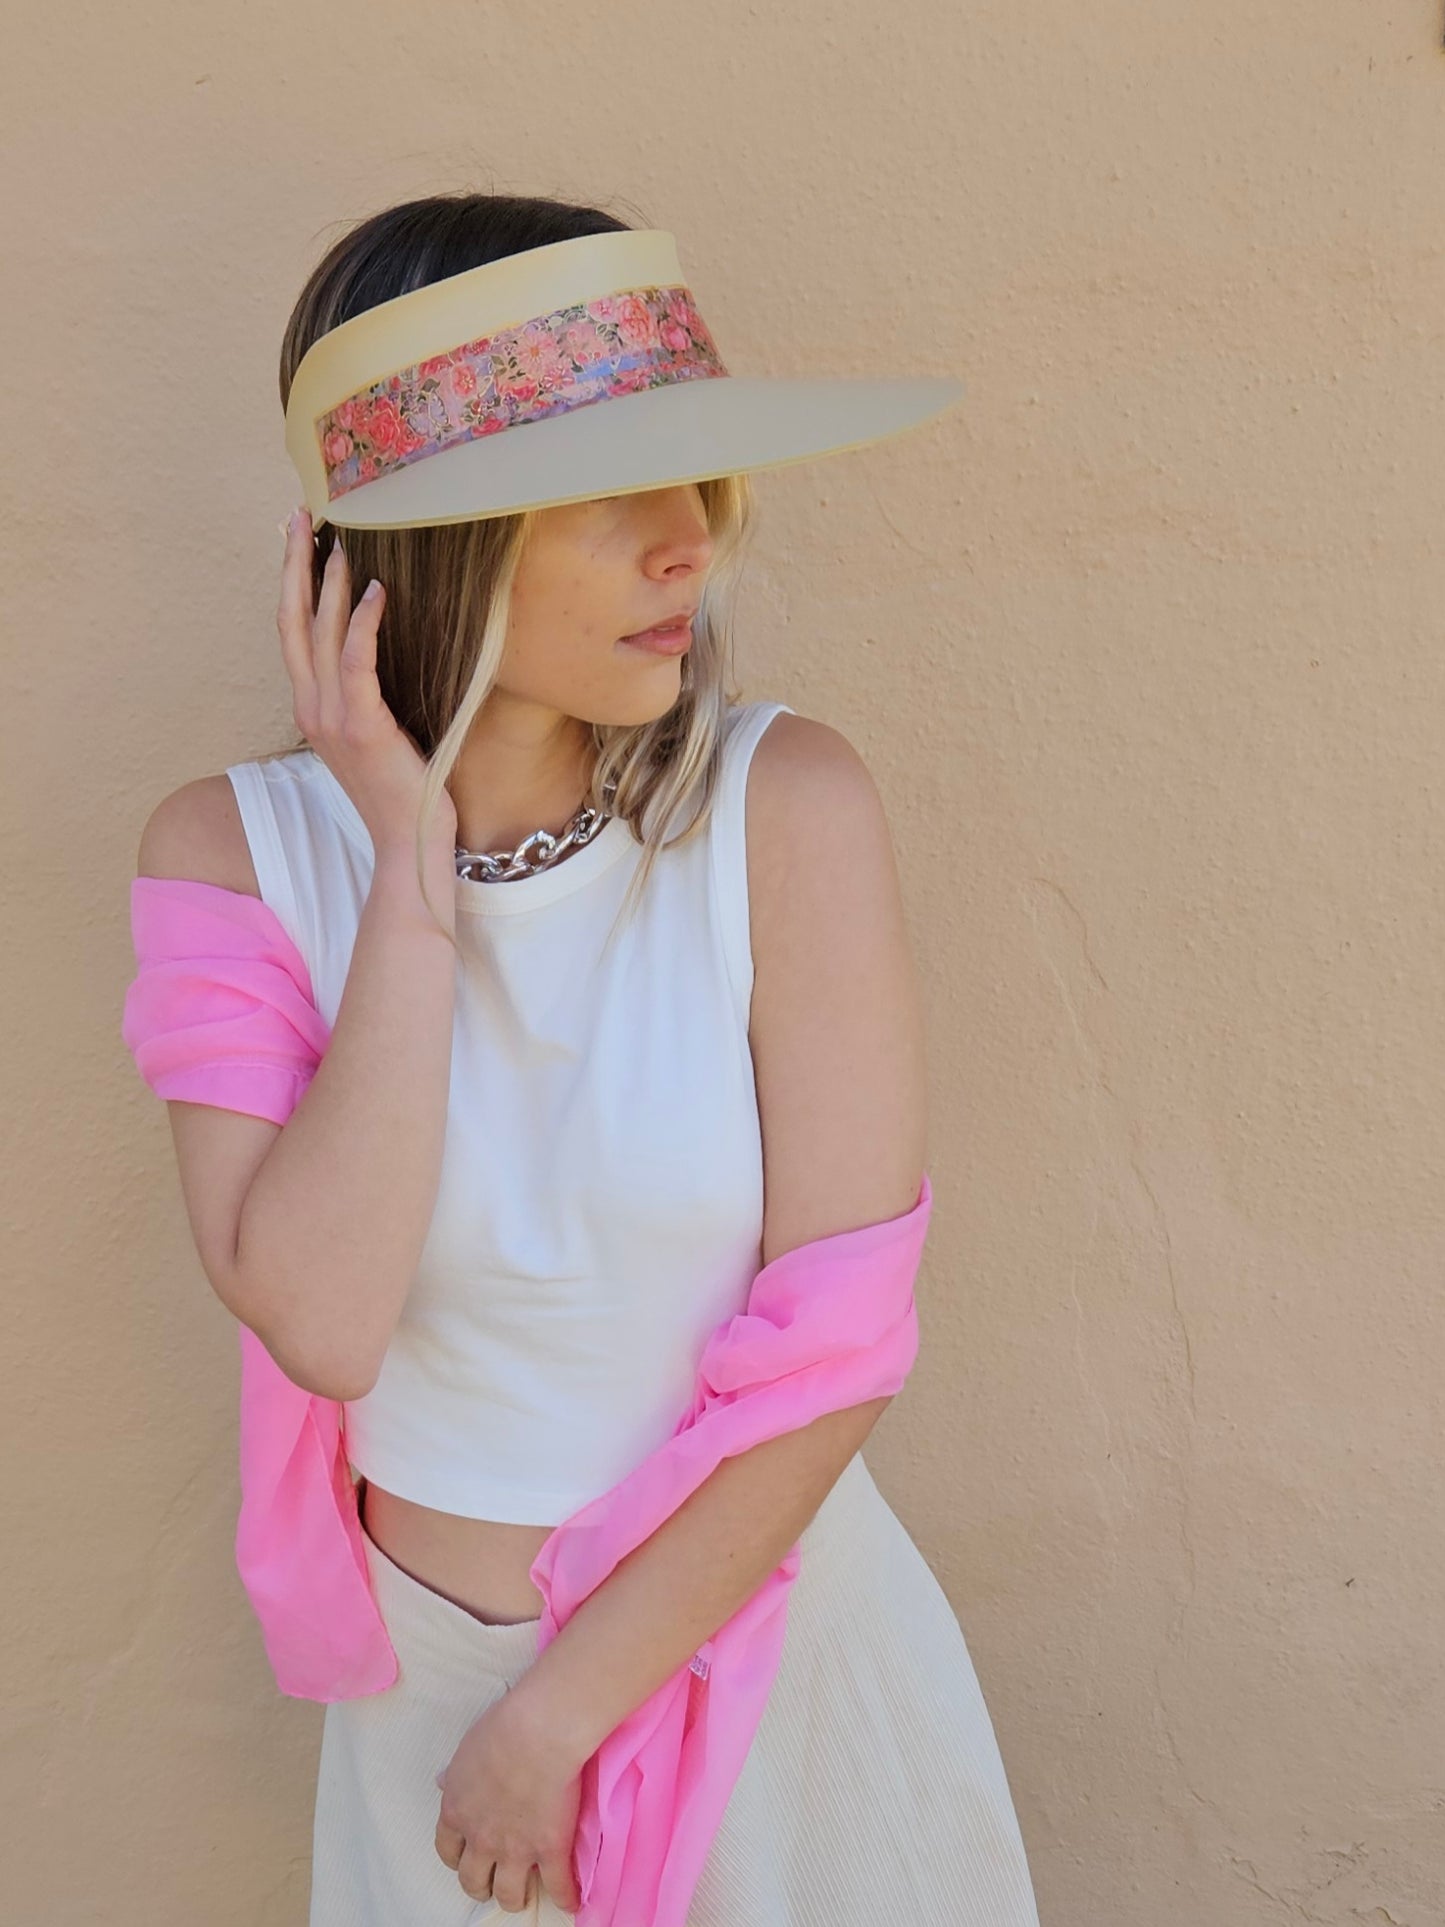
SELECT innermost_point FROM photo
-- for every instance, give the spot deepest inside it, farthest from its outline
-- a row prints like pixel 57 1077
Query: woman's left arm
pixel 837 1040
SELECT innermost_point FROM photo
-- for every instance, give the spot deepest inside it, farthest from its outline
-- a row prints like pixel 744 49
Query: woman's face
pixel 593 573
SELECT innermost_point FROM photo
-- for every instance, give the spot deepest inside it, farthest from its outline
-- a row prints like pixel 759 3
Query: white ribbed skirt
pixel 873 1795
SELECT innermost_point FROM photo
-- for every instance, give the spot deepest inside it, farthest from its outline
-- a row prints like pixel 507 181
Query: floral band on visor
pixel 590 351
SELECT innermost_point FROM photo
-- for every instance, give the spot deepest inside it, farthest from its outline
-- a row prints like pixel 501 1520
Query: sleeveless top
pixel 600 1205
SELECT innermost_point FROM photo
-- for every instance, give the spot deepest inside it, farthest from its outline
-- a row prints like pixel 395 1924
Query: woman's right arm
pixel 310 1232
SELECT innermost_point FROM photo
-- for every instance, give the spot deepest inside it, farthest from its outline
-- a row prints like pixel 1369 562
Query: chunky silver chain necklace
pixel 540 850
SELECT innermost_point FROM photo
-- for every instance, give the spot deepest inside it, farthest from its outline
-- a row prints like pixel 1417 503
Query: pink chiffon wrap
pixel 221 1012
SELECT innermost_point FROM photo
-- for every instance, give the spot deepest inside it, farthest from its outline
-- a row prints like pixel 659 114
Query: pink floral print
pixel 587 352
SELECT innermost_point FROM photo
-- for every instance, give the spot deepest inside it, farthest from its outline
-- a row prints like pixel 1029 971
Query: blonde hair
pixel 449 587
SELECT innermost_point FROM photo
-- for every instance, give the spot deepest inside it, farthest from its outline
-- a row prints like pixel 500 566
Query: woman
pixel 620 1012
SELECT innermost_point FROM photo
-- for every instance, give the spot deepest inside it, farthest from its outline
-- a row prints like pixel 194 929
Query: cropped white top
pixel 600 1205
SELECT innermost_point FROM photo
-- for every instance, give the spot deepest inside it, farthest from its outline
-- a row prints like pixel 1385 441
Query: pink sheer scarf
pixel 221 1012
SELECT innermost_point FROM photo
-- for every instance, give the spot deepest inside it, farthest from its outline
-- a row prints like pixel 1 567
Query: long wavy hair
pixel 449 587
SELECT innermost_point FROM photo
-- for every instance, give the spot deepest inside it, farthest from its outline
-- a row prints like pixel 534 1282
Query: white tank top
pixel 600 1206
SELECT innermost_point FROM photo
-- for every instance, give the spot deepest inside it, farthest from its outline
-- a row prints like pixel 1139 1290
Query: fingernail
pixel 371 591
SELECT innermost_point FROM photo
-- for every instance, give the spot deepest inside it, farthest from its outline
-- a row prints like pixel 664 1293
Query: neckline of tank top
pixel 492 899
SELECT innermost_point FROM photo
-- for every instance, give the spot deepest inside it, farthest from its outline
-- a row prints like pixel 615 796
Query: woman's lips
pixel 662 642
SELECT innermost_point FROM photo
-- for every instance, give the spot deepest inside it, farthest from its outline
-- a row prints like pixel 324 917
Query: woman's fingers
pixel 330 651
pixel 294 612
pixel 555 1870
pixel 333 612
pixel 450 1845
pixel 360 688
pixel 484 1877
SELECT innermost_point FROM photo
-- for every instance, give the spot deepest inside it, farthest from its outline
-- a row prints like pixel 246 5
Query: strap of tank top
pixel 729 846
pixel 268 849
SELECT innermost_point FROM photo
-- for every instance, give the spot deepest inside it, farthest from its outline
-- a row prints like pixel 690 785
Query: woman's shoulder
pixel 816 830
pixel 801 761
pixel 196 833
pixel 199 832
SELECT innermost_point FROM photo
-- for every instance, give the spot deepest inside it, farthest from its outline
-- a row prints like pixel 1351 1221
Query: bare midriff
pixel 481 1565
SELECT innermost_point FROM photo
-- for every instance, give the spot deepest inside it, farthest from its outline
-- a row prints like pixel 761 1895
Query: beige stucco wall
pixel 1143 643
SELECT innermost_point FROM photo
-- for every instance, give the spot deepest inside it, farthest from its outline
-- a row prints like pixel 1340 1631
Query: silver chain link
pixel 536 852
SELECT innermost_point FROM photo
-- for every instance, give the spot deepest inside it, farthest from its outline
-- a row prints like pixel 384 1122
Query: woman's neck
pixel 515 777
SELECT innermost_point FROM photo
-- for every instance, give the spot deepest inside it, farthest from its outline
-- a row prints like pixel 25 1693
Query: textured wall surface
pixel 1143 643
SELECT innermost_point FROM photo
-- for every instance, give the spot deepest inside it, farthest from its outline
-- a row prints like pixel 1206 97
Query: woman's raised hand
pixel 330 654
